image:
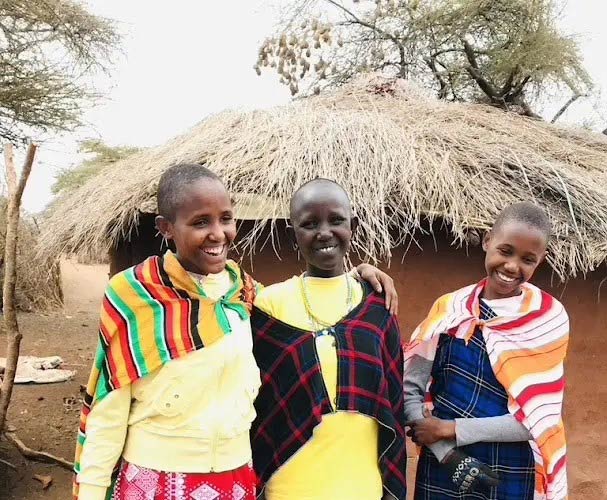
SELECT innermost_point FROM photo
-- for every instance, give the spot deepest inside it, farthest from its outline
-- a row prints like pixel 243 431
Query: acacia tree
pixel 502 52
pixel 47 47
pixel 100 156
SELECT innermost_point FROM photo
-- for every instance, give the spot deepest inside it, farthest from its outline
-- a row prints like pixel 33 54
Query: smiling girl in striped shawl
pixel 494 354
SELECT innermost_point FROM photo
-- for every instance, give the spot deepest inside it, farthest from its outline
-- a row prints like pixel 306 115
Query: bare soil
pixel 46 416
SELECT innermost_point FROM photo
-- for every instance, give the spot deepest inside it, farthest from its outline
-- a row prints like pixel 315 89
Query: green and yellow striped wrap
pixel 152 313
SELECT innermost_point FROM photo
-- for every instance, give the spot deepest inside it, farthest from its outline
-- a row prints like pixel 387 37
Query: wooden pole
pixel 11 326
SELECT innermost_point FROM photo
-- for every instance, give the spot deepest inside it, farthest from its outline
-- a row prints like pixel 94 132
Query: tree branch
pixel 401 48
pixel 41 456
pixel 560 112
pixel 55 44
pixel 474 71
pixel 509 81
pixel 431 62
pixel 484 85
pixel 518 89
pixel 10 273
pixel 527 111
pixel 469 51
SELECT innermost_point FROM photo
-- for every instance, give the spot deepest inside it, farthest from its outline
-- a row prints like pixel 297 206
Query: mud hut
pixel 38 281
pixel 426 178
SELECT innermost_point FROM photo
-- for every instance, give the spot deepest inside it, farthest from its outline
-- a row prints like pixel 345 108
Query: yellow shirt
pixel 191 415
pixel 341 459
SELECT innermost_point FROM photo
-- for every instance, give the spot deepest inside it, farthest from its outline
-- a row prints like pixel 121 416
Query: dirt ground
pixel 46 416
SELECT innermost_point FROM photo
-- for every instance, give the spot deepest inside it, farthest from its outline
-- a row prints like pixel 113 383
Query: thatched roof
pixel 38 281
pixel 405 158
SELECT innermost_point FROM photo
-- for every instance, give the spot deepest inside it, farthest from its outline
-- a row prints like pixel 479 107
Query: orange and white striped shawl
pixel 526 351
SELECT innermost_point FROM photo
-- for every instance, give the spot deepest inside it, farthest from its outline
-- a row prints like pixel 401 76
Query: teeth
pixel 326 249
pixel 213 251
pixel 505 278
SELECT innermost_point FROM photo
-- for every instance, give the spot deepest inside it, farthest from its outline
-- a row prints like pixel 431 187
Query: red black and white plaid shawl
pixel 293 394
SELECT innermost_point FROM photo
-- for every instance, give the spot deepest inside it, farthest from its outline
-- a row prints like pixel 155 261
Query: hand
pixel 380 281
pixel 468 473
pixel 430 429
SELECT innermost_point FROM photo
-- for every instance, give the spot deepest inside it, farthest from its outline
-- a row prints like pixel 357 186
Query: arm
pixel 442 444
pixel 380 281
pixel 264 301
pixel 502 429
pixel 106 427
pixel 417 373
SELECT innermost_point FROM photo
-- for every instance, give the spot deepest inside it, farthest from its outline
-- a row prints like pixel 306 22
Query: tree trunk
pixel 11 326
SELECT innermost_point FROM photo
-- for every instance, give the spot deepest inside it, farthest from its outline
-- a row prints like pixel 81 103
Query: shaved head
pixel 322 224
pixel 173 184
pixel 315 190
pixel 527 213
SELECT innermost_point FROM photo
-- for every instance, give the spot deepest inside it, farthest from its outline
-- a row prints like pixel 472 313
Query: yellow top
pixel 341 459
pixel 191 415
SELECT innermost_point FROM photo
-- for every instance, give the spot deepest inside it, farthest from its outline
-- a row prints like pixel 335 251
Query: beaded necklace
pixel 322 327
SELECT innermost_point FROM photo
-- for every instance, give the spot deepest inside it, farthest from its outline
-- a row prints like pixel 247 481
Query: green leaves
pixel 47 47
pixel 101 156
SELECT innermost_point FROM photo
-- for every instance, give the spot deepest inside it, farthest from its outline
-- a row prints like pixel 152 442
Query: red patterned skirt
pixel 138 483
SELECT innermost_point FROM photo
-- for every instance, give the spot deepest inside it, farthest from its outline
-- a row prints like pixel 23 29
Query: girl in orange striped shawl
pixel 492 354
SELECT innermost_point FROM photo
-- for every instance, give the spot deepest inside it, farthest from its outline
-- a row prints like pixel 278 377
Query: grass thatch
pixel 404 158
pixel 38 278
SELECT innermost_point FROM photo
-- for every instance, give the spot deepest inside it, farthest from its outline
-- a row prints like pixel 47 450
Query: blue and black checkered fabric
pixel 464 386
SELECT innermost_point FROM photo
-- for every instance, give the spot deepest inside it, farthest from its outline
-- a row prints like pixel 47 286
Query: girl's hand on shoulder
pixel 430 429
pixel 381 282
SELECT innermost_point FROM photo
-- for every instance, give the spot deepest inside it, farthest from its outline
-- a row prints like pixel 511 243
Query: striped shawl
pixel 152 313
pixel 526 352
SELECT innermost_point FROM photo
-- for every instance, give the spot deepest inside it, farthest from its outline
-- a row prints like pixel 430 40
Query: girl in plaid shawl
pixel 330 409
pixel 494 355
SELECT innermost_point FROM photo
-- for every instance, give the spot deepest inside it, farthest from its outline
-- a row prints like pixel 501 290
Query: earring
pixel 164 242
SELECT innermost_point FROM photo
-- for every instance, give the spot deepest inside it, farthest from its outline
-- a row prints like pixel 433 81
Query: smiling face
pixel 203 227
pixel 323 226
pixel 513 252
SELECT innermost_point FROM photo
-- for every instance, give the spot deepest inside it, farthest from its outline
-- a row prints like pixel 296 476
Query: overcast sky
pixel 185 59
